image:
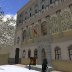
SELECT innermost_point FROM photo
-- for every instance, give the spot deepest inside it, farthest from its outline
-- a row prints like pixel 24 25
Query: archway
pixel 29 53
pixel 17 56
pixel 44 28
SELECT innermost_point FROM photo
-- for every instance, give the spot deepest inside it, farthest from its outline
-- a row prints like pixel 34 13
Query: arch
pixel 17 51
pixel 24 53
pixel 35 53
pixel 43 6
pixel 44 28
pixel 57 53
pixel 29 53
pixel 24 34
pixel 70 52
pixel 57 48
pixel 18 39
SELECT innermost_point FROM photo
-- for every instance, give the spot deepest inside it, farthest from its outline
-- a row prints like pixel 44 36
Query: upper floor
pixel 55 19
pixel 35 8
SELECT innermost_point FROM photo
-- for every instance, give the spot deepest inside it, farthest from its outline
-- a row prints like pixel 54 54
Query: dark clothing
pixel 44 65
pixel 29 67
pixel 45 61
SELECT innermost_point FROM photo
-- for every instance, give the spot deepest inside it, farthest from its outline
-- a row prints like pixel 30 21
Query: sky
pixel 10 7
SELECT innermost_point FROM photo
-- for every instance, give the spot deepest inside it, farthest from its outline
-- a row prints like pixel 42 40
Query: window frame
pixel 24 35
pixel 29 53
pixel 24 53
pixel 70 52
pixel 43 30
pixel 57 53
pixel 43 6
pixel 18 40
pixel 36 53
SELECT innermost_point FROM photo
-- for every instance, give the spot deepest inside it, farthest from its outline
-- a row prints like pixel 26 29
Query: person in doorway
pixel 44 65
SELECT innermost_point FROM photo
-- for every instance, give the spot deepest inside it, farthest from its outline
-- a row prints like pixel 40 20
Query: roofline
pixel 25 6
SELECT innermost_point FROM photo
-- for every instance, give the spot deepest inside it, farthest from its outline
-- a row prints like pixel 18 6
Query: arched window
pixel 24 35
pixel 44 28
pixel 24 53
pixel 29 53
pixel 42 6
pixel 70 52
pixel 57 53
pixel 18 39
pixel 51 1
pixel 35 53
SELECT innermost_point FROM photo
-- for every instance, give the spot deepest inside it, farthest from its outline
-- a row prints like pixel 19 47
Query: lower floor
pixel 15 68
pixel 54 51
pixel 58 54
pixel 61 50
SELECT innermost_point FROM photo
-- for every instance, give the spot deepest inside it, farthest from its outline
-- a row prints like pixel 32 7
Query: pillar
pixel 49 40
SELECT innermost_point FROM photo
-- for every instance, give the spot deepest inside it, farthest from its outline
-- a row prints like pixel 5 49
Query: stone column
pixel 39 55
pixel 39 43
pixel 21 44
pixel 49 40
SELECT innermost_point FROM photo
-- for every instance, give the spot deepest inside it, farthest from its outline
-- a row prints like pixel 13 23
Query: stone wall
pixel 65 66
pixel 4 59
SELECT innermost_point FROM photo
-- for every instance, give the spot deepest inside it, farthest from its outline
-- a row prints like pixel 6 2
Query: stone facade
pixel 45 25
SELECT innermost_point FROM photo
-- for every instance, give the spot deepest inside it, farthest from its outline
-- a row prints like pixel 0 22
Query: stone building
pixel 44 29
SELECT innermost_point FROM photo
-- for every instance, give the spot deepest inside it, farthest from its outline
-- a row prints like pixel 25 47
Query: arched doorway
pixel 29 53
pixel 17 56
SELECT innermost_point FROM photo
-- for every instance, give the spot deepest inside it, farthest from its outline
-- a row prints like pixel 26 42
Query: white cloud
pixel 15 17
pixel 9 16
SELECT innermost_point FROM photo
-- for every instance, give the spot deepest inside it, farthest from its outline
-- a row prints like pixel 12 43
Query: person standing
pixel 44 65
pixel 29 66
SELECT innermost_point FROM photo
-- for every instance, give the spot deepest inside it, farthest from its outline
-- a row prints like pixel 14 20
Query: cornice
pixel 31 2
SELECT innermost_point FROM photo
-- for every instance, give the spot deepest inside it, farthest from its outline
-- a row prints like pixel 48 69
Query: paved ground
pixel 15 68
pixel 39 66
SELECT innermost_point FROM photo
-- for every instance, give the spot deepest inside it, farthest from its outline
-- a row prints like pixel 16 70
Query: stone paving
pixel 34 67
pixel 14 68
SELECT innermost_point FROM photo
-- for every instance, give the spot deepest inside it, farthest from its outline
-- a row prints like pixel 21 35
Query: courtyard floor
pixel 17 68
